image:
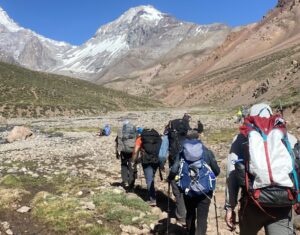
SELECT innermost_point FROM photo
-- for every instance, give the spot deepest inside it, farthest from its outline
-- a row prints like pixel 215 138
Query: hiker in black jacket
pixel 176 131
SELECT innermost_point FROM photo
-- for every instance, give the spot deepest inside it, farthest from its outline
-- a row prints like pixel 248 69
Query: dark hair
pixel 186 116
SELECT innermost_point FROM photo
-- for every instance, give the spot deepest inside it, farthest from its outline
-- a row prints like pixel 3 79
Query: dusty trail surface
pixel 69 178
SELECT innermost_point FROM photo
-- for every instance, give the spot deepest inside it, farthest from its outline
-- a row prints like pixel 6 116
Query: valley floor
pixel 69 178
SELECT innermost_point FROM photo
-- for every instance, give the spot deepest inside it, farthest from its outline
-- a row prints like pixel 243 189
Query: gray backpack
pixel 126 138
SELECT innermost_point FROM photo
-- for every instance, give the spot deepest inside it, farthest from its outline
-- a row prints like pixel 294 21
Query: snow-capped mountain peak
pixel 148 13
pixel 7 22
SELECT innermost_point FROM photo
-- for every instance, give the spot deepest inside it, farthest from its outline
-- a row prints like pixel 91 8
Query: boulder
pixel 19 133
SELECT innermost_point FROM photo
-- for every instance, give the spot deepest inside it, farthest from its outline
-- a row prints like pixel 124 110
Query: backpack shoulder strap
pixel 295 175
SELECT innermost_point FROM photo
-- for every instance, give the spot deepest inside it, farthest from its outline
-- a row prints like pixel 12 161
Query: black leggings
pixel 197 208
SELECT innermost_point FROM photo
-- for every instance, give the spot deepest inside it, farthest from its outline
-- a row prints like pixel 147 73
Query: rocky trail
pixel 64 179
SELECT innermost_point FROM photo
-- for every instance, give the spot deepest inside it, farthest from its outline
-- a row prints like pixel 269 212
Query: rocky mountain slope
pixel 140 37
pixel 148 53
pixel 262 53
pixel 24 47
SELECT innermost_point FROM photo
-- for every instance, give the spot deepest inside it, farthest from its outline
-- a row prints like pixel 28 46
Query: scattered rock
pixel 19 133
pixel 99 222
pixel 297 222
pixel 156 211
pixel 118 191
pixel 9 232
pixel 5 225
pixel 295 63
pixel 24 209
pixel 88 205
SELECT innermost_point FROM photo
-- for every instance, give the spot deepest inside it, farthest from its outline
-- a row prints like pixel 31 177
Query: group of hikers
pixel 262 167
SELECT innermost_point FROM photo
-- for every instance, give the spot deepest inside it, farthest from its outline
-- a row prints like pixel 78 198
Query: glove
pixel 230 219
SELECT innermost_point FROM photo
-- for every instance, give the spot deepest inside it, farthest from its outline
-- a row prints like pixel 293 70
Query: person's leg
pixel 283 224
pixel 124 168
pixel 133 176
pixel 202 214
pixel 149 176
pixel 251 219
pixel 190 205
pixel 130 170
pixel 180 210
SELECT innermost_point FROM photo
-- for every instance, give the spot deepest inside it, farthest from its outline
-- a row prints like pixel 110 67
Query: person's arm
pixel 232 185
pixel 211 161
pixel 174 168
pixel 137 148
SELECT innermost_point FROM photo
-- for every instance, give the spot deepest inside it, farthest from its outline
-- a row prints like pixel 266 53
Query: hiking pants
pixel 149 172
pixel 180 210
pixel 252 219
pixel 197 208
pixel 127 170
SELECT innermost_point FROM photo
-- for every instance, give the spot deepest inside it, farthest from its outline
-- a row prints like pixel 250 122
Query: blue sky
pixel 76 21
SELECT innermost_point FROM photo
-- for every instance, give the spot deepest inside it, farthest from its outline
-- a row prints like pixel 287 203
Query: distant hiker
pixel 148 144
pixel 125 142
pixel 261 162
pixel 239 116
pixel 177 130
pixel 105 131
pixel 196 177
pixel 199 128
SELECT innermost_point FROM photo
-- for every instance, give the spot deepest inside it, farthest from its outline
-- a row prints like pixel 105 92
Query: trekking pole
pixel 141 175
pixel 168 208
pixel 217 223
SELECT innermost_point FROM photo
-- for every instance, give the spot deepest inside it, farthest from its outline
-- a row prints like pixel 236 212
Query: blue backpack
pixel 106 130
pixel 195 176
pixel 163 151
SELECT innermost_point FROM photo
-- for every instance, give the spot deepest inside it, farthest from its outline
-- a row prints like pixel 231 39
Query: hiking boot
pixel 151 202
pixel 124 185
pixel 130 189
pixel 181 222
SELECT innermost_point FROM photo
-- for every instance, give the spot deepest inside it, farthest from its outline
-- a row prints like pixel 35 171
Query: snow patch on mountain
pixel 6 21
pixel 146 12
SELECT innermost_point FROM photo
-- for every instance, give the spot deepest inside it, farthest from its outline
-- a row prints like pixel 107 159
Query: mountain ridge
pixel 142 34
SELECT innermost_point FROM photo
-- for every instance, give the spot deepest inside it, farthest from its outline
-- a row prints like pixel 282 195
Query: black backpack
pixel 151 142
pixel 177 132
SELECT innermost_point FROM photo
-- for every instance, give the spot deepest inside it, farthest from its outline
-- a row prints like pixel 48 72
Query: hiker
pixel 261 169
pixel 125 142
pixel 176 131
pixel 196 162
pixel 148 145
pixel 105 131
pixel 239 116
